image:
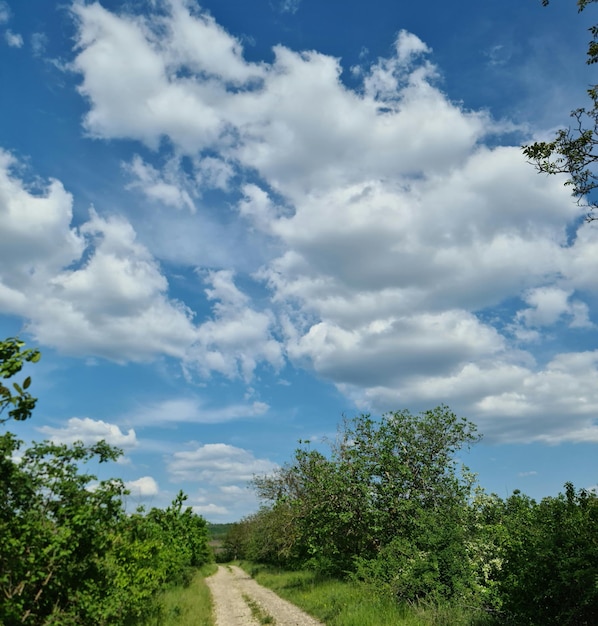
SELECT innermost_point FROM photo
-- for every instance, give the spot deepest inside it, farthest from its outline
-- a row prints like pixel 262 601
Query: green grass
pixel 258 612
pixel 344 603
pixel 188 606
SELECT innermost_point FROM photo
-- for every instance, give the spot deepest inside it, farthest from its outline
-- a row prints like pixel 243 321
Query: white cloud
pixel 5 13
pixel 97 290
pixel 345 137
pixel 384 80
pixel 387 350
pixel 168 187
pixel 210 510
pixel 92 289
pixel 115 304
pixel 36 240
pixel 213 173
pixel 399 239
pixel 549 304
pixel 224 502
pixel 194 410
pixel 238 336
pixel 144 58
pixel 144 486
pixel 90 431
pixel 218 464
pixel 14 40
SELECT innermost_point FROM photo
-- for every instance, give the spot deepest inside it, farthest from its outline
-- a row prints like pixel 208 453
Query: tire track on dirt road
pixel 231 590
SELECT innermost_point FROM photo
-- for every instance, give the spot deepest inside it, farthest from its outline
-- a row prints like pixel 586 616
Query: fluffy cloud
pixel 238 337
pixel 143 487
pixel 270 124
pixel 218 464
pixel 36 240
pixel 90 431
pixel 96 289
pixel 145 59
pixel 224 472
pixel 167 187
pixel 92 289
pixel 549 304
pixel 114 304
pixel 410 263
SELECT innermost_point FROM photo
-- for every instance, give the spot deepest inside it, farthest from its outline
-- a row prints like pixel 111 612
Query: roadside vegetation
pixel 386 528
pixel 69 553
pixel 389 528
pixel 338 602
pixel 188 605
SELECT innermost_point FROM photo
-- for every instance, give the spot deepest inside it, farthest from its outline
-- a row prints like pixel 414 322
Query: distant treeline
pixel 389 506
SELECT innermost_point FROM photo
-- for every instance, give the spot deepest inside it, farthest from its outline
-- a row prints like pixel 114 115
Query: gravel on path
pixel 233 590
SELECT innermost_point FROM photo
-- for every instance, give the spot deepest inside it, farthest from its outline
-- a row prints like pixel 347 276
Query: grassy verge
pixel 344 603
pixel 188 606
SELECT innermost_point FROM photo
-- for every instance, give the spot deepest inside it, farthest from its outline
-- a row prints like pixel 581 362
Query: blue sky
pixel 227 225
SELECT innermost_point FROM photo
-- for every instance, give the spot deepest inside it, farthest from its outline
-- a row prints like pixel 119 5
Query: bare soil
pixel 233 590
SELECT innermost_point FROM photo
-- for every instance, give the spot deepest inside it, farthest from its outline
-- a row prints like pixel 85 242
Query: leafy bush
pixel 550 570
pixel 70 554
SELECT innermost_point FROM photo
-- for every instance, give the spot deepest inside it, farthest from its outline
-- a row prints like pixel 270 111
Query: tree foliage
pixel 19 402
pixel 390 506
pixel 368 507
pixel 69 553
pixel 550 559
pixel 574 151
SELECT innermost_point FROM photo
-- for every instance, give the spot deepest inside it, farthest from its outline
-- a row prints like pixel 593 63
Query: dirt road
pixel 235 593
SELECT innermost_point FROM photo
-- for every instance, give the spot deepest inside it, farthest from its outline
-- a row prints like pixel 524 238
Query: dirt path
pixel 235 592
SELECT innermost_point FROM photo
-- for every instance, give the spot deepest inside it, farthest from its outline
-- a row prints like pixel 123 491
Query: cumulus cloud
pixel 238 337
pixel 91 289
pixel 96 289
pixel 114 304
pixel 151 54
pixel 36 239
pixel 90 431
pixel 384 79
pixel 258 124
pixel 409 262
pixel 168 186
pixel 210 510
pixel 223 471
pixel 218 464
pixel 143 487
pixel 549 304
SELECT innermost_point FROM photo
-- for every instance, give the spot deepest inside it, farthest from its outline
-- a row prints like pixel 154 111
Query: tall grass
pixel 187 606
pixel 346 603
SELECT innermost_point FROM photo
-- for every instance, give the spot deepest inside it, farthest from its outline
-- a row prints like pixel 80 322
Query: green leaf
pixel 35 357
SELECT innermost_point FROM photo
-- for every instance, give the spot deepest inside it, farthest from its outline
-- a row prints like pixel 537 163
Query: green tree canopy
pixel 69 553
pixel 384 479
